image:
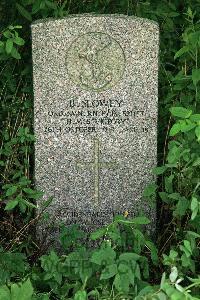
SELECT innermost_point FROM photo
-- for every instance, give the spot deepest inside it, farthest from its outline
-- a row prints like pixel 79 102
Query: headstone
pixel 95 89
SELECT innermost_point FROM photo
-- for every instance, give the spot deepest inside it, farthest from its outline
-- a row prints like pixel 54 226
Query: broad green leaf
pixel 187 127
pixel 194 203
pixel 193 234
pixel 80 295
pixel 128 257
pixel 176 128
pixel 195 76
pixel 121 282
pixel 26 291
pixel 50 4
pixel 12 190
pixel 28 191
pixel 136 221
pixel 180 52
pixel 180 112
pixel 11 204
pixel 123 267
pixel 173 254
pixel 175 196
pixel 141 220
pixel 146 290
pixel 4 293
pixel 194 213
pixel 197 132
pixel 29 204
pixel 174 274
pixel 108 272
pixel 19 41
pixel 24 12
pixel 174 154
pixel 195 118
pixel 181 207
pixel 159 170
pixel 36 195
pixel 163 280
pixel 98 233
pixel 154 251
pixel 7 34
pixel 102 256
pixel 150 190
pixel 168 184
pixel 187 246
pixel 15 291
pixel 164 197
pixel 15 53
pixel 18 26
pixel 9 46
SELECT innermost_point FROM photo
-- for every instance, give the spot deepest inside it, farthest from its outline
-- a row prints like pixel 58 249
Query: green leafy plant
pixel 10 43
pixel 125 263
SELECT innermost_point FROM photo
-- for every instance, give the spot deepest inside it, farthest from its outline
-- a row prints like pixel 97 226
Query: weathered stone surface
pixel 95 87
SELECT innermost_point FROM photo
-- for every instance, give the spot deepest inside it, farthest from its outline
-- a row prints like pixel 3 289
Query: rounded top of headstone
pixel 94 15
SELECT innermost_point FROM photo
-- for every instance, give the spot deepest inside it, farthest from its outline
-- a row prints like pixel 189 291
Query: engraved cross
pixel 96 164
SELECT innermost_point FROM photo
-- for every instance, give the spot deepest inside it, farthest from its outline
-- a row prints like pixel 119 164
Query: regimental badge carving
pixel 95 61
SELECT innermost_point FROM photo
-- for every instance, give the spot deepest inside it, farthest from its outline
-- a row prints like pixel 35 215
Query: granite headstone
pixel 95 91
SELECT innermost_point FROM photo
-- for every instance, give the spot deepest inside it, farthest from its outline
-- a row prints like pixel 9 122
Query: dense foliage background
pixel 127 264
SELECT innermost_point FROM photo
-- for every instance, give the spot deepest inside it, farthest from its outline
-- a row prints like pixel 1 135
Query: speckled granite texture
pixel 95 89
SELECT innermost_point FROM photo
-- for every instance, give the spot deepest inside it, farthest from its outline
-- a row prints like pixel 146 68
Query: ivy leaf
pixel 180 112
pixel 24 12
pixel 195 76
